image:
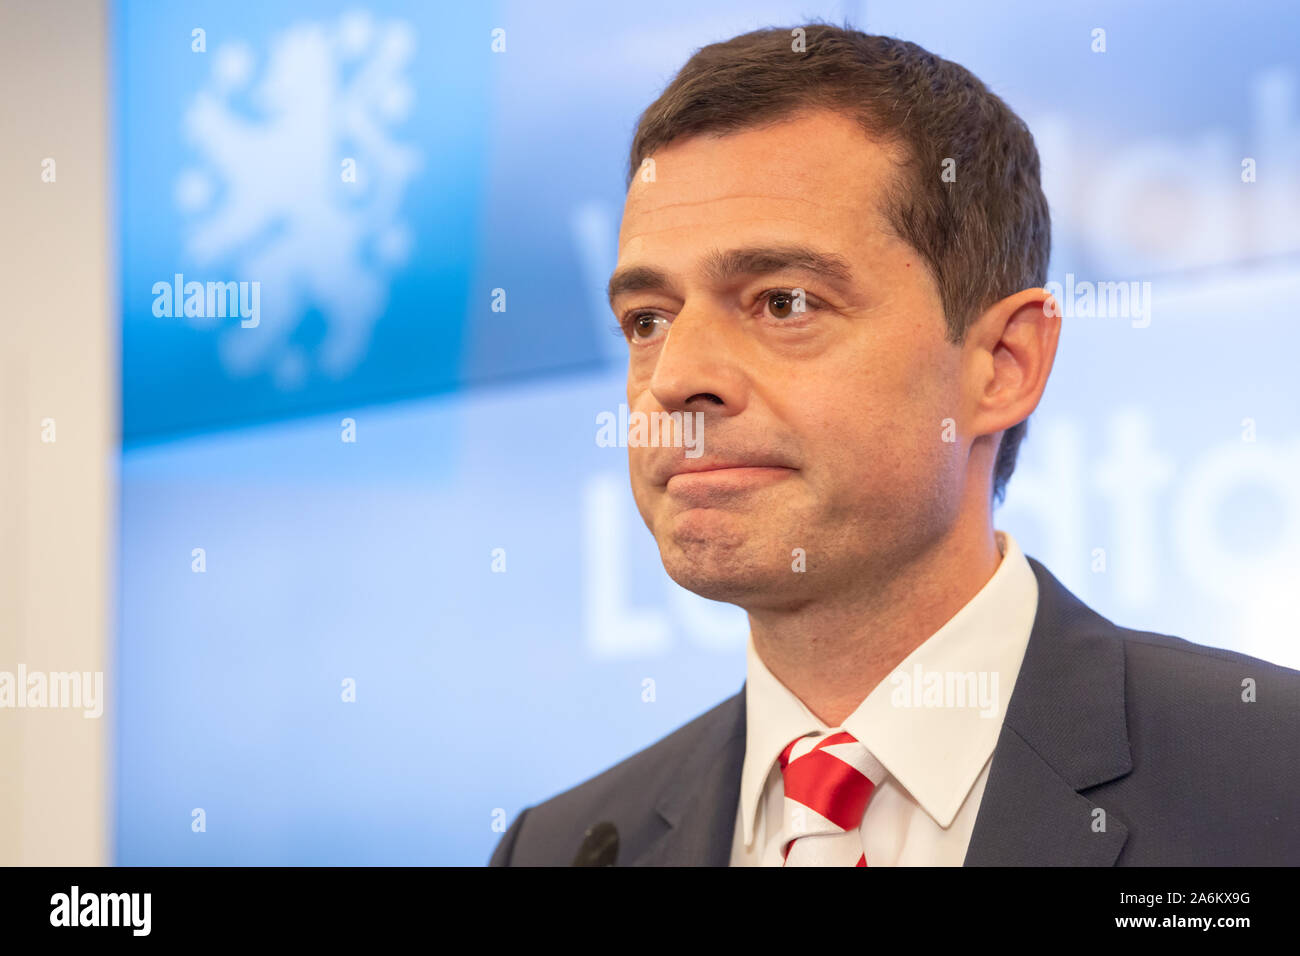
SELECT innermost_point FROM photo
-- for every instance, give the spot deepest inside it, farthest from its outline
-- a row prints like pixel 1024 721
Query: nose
pixel 698 367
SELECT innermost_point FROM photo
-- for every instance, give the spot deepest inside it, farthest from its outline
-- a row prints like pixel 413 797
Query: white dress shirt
pixel 936 744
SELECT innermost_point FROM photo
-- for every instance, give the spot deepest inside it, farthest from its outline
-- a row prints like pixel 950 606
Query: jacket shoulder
pixel 549 833
pixel 1154 659
pixel 1210 709
pixel 1215 754
pixel 1162 659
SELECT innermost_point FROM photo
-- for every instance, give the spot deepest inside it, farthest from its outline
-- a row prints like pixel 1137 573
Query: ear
pixel 1008 355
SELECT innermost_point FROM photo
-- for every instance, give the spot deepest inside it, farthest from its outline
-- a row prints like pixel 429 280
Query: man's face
pixel 838 411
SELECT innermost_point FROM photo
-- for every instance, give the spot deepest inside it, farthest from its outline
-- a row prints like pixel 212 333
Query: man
pixel 832 252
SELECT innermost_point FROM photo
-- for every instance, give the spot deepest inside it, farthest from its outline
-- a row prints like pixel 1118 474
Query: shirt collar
pixel 928 741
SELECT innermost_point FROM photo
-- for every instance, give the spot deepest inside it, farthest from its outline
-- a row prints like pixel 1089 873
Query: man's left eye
pixel 783 303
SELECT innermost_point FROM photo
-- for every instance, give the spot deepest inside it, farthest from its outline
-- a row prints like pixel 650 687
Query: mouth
pixel 714 479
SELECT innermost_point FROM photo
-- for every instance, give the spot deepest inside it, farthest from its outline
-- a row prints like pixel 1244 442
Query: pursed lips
pixel 729 471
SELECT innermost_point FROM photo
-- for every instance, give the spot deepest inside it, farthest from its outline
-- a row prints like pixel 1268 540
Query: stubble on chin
pixel 718 558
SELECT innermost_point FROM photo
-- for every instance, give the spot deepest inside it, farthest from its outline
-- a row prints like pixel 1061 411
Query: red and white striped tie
pixel 828 781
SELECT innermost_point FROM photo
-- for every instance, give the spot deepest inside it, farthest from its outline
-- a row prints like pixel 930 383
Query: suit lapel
pixel 699 818
pixel 1065 731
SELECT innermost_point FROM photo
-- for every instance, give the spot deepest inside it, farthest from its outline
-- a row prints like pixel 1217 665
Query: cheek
pixel 916 400
pixel 879 441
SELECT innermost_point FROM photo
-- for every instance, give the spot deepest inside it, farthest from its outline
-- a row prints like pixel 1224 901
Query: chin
pixel 729 588
pixel 719 571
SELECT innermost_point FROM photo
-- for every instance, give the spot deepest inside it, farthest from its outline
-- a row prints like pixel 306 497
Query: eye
pixel 783 303
pixel 642 327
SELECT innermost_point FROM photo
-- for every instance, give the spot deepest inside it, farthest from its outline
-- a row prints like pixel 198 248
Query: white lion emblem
pixel 300 187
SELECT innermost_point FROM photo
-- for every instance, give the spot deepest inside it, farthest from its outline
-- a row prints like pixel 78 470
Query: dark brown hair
pixel 985 236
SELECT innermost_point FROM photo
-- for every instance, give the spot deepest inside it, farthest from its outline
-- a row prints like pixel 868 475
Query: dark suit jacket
pixel 1151 729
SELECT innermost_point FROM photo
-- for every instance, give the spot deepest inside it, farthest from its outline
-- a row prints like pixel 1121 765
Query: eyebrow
pixel 750 261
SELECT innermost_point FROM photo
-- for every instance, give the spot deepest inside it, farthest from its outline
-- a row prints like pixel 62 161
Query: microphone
pixel 599 846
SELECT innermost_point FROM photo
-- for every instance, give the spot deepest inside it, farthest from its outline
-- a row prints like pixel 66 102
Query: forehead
pixel 815 177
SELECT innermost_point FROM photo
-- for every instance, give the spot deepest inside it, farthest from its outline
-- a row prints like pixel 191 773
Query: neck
pixel 832 652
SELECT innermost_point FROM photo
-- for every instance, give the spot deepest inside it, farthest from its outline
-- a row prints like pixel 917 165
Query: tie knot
pixel 833 776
